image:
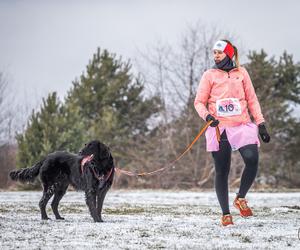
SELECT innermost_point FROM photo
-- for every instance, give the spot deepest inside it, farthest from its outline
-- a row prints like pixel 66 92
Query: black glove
pixel 215 122
pixel 263 133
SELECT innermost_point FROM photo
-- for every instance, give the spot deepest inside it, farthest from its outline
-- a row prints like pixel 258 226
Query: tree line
pixel 147 119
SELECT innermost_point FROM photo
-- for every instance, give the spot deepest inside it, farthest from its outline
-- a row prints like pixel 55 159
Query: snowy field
pixel 150 220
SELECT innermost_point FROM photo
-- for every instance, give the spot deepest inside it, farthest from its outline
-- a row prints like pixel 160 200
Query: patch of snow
pixel 147 219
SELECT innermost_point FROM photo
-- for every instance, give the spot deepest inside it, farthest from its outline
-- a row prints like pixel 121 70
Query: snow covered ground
pixel 144 219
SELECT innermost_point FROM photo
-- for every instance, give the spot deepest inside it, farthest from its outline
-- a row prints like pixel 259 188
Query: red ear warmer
pixel 225 47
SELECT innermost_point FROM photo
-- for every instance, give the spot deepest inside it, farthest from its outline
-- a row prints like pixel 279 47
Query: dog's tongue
pixel 86 159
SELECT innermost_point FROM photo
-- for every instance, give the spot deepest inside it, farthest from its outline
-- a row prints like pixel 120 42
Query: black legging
pixel 222 159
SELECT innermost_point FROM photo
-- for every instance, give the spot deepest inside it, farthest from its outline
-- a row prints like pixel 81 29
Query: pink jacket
pixel 229 96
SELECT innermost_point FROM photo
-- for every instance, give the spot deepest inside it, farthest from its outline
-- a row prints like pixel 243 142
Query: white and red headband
pixel 225 47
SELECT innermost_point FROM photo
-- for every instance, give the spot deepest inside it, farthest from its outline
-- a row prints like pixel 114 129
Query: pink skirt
pixel 238 136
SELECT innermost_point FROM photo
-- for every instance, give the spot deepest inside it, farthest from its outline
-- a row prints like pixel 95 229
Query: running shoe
pixel 226 220
pixel 242 206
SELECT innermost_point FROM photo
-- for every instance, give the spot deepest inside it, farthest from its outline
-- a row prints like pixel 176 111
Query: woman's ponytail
pixel 236 56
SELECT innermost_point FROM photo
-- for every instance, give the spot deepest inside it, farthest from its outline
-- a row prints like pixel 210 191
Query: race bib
pixel 228 107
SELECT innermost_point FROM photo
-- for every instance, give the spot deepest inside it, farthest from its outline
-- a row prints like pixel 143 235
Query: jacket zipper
pixel 227 72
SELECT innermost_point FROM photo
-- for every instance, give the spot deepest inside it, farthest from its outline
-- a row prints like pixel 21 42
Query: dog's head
pixel 100 153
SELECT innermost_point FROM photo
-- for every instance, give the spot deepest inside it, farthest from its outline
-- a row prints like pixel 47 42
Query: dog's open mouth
pixel 87 159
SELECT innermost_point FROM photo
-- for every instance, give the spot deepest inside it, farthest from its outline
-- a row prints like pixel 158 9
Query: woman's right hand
pixel 215 122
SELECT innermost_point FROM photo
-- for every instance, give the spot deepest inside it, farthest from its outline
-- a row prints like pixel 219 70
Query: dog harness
pixel 101 178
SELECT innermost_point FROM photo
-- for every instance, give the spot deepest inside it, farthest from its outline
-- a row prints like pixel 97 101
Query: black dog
pixel 92 170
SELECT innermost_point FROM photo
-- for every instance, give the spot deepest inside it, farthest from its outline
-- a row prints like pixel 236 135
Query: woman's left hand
pixel 262 130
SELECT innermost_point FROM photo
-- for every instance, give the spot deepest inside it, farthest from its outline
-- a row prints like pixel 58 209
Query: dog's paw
pixel 98 219
pixel 60 218
pixel 46 218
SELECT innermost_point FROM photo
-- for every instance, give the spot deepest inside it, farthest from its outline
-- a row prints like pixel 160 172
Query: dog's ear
pixel 104 151
pixel 99 147
pixel 99 150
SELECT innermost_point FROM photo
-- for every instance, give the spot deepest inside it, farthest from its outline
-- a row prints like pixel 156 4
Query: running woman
pixel 226 96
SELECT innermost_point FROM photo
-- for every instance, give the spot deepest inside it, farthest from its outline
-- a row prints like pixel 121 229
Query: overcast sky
pixel 44 45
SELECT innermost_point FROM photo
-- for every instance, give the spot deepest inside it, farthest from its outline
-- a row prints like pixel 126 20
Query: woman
pixel 228 91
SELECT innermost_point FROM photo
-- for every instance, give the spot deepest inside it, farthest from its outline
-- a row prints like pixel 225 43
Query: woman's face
pixel 219 55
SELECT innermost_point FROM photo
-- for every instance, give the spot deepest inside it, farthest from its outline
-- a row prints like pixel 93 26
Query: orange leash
pixel 129 173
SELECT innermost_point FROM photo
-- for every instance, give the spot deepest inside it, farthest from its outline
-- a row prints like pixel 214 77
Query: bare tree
pixel 7 151
pixel 5 111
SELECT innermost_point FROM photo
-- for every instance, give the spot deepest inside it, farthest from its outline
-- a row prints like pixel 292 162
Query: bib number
pixel 228 107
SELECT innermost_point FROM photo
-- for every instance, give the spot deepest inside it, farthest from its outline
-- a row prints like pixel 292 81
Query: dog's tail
pixel 26 174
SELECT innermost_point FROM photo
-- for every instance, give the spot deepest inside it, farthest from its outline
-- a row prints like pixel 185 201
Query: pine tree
pixel 107 103
pixel 44 133
pixel 277 85
pixel 110 102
